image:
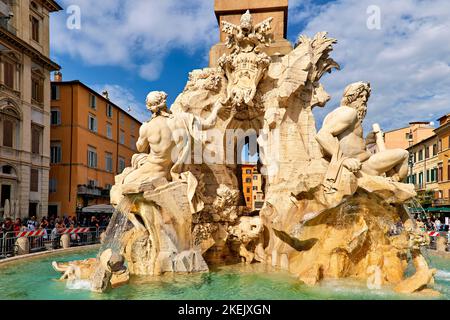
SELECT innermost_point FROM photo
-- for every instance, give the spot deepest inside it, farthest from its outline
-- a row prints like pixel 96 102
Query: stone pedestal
pixel 65 241
pixel 441 244
pixel 23 246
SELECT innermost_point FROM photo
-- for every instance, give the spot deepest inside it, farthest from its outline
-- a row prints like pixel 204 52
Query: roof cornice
pixel 442 128
pixel 51 5
pixel 29 50
pixel 78 82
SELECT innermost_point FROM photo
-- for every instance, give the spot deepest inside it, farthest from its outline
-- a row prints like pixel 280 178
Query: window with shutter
pixel 8 78
pixel 121 164
pixel 93 101
pixel 109 131
pixel 55 92
pixel 55 152
pixel 55 117
pixel 92 123
pixel 35 29
pixel 37 90
pixel 35 137
pixel 52 185
pixel 108 162
pixel 34 180
pixel 92 157
pixel 8 127
pixel 109 111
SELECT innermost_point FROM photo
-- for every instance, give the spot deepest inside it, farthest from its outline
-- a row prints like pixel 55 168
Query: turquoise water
pixel 35 279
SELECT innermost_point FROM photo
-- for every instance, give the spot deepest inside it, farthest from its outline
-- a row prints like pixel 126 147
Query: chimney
pixel 58 76
pixel 105 94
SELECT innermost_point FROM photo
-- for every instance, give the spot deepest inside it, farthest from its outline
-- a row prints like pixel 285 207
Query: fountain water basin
pixel 34 279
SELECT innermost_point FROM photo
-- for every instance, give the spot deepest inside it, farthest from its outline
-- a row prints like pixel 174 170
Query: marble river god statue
pixel 329 203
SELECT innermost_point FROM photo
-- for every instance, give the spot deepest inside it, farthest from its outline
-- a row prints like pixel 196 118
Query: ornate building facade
pixel 423 169
pixel 25 69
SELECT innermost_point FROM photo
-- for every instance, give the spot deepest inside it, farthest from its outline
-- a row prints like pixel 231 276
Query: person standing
pixel 437 224
pixel 8 231
pixel 18 225
pixel 32 224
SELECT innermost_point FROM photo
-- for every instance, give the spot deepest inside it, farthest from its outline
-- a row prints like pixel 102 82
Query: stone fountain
pixel 329 202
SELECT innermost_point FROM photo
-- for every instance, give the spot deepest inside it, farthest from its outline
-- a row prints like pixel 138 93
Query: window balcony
pixel 92 192
pixel 89 191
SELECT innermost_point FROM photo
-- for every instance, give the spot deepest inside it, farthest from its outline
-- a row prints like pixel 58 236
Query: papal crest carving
pixel 246 65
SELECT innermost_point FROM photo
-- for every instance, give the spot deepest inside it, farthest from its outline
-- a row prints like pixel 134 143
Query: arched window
pixel 9 123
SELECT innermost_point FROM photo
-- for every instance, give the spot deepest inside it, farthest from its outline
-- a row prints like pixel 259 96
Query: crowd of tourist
pixel 432 223
pixel 32 224
pixel 52 227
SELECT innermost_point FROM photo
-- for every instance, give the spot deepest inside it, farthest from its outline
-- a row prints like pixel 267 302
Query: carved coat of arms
pixel 245 66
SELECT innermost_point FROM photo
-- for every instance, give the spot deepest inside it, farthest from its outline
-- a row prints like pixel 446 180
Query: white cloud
pixel 151 71
pixel 125 99
pixel 135 34
pixel 407 61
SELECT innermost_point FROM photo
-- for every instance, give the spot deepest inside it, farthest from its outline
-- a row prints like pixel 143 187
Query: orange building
pixel 247 183
pixel 252 186
pixel 405 137
pixel 92 140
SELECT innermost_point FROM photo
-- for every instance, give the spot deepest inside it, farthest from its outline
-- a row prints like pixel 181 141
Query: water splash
pixel 117 226
pixel 443 275
pixel 78 285
pixel 412 207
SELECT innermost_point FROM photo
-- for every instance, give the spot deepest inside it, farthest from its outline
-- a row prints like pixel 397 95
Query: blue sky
pixel 135 46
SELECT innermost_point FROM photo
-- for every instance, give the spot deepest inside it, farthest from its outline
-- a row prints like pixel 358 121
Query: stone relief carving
pixel 246 65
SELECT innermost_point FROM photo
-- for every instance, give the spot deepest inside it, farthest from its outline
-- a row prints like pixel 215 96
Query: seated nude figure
pixel 166 139
pixel 341 138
